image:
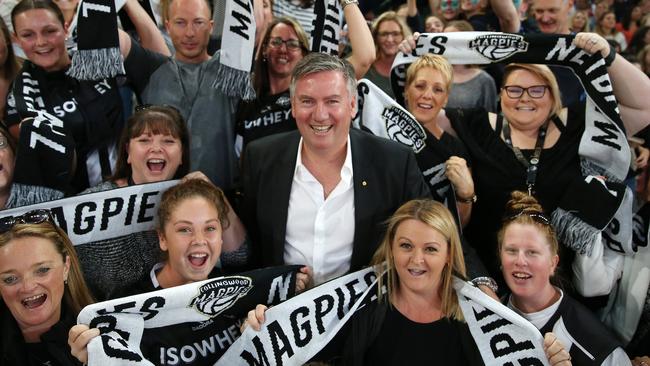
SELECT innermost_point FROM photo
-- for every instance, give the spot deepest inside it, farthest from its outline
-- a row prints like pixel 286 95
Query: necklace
pixel 531 164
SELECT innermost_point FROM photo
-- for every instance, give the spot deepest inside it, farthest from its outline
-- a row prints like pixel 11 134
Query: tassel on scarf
pixel 236 55
pixel 98 56
pixel 574 232
pixel 234 83
pixel 96 64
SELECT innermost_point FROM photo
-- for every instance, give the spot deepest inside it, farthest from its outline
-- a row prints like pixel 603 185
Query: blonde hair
pixel 436 216
pixel 76 294
pixel 435 62
pixel 585 28
pixel 544 73
pixel 385 17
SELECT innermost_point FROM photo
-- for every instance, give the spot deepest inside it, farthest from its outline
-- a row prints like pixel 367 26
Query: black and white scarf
pixel 327 27
pixel 47 138
pixel 296 330
pixel 98 47
pixel 93 217
pixel 123 321
pixel 381 115
pixel 237 44
pixel 603 149
pixel 151 7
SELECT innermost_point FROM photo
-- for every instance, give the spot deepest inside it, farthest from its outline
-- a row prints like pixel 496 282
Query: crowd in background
pixel 272 180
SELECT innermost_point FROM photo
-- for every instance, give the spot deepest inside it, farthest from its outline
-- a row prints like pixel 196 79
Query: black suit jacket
pixel 385 176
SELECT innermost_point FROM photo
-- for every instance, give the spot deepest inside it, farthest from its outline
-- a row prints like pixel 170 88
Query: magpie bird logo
pixel 216 296
pixel 497 47
pixel 403 128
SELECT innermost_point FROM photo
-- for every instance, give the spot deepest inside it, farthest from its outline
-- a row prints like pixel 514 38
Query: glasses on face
pixel 31 217
pixel 536 216
pixel 277 42
pixel 394 34
pixel 535 91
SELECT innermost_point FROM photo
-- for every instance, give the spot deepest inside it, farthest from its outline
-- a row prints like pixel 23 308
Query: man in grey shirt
pixel 184 81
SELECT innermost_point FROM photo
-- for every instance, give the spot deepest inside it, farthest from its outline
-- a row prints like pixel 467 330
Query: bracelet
pixel 471 199
pixel 345 3
pixel 485 281
pixel 610 57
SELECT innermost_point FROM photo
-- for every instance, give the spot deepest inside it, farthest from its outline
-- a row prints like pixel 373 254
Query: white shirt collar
pixel 346 170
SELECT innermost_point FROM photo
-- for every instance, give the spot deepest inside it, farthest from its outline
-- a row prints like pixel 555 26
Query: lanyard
pixel 531 165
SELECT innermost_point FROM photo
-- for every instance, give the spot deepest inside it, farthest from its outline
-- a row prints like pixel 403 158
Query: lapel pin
pixel 364 183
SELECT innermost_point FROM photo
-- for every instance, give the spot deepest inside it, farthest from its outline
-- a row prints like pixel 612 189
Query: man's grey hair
pixel 319 62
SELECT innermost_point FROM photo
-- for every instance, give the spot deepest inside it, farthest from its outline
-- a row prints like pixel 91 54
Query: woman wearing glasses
pixel 388 30
pixel 528 251
pixel 42 291
pixel 283 45
pixel 533 116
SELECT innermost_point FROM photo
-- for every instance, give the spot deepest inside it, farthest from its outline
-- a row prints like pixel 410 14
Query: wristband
pixel 485 281
pixel 471 199
pixel 610 57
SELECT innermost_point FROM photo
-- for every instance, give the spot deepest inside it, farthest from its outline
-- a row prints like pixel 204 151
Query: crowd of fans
pixel 283 178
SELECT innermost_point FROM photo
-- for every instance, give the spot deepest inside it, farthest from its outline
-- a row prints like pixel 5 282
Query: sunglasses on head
pixel 145 107
pixel 536 216
pixel 31 217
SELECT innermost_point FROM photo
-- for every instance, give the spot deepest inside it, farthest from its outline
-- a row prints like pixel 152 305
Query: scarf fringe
pixel 573 232
pixel 96 64
pixel 589 167
pixel 234 83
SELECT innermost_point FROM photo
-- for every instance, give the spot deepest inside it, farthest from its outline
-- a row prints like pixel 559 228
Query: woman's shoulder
pixel 23 195
pixel 470 123
pixel 101 187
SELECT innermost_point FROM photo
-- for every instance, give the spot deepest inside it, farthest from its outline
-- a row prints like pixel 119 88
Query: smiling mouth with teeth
pixel 34 301
pixel 521 276
pixel 198 259
pixel 321 129
pixel 156 165
pixel 416 272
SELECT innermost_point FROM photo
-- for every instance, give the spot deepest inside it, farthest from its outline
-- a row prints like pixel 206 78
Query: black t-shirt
pixel 404 342
pixel 497 172
pixel 264 116
pixel 432 158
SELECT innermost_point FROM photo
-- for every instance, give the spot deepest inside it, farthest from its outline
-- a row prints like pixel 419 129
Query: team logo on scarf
pixel 498 46
pixel 218 295
pixel 402 127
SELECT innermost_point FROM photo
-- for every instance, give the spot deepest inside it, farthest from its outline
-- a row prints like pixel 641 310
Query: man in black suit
pixel 318 196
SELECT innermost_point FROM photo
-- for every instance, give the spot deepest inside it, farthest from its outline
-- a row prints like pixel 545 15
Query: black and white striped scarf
pixel 603 149
pixel 98 52
pixel 296 330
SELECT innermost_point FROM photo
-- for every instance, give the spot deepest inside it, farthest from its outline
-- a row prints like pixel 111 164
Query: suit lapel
pixel 363 196
pixel 280 190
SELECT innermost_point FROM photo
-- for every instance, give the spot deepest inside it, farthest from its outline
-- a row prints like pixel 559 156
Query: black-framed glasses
pixel 534 91
pixel 536 216
pixel 277 42
pixel 31 217
pixel 394 34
